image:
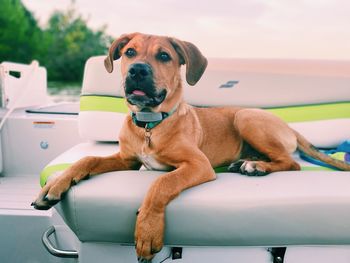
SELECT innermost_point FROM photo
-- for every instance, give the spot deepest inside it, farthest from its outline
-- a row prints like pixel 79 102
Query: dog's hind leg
pixel 270 137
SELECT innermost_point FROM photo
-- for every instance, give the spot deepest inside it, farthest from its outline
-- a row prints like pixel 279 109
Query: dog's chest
pixel 151 163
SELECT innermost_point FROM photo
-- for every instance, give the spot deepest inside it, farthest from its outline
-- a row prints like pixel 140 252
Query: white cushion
pixel 271 83
pixel 98 81
pixel 326 133
pixel 291 208
pixel 100 126
pixel 261 83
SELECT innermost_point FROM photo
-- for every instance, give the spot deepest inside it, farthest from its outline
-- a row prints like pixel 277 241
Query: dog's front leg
pixel 150 220
pixel 52 192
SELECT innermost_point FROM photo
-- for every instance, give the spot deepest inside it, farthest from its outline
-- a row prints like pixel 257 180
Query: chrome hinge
pixel 176 252
pixel 277 254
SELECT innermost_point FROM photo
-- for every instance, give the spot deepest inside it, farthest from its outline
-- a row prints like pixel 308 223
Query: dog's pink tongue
pixel 139 93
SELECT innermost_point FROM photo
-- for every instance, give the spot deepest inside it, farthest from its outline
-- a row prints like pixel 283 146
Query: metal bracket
pixel 55 251
pixel 176 253
pixel 277 254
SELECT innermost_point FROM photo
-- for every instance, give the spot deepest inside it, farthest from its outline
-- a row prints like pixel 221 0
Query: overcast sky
pixel 316 29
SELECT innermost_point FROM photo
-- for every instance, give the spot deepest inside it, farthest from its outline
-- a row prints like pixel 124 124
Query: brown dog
pixel 165 133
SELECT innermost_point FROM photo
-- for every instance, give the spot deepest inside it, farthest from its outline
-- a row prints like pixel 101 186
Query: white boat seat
pixel 285 208
pixel 310 95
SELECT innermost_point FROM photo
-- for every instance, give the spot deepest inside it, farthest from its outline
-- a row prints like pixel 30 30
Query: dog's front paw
pixel 52 193
pixel 148 234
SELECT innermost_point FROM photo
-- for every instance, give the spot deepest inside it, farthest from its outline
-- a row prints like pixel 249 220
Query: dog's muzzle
pixel 139 86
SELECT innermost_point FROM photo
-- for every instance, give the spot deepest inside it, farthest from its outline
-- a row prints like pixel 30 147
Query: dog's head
pixel 151 69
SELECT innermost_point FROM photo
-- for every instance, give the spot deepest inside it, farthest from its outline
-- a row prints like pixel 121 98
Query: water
pixel 64 92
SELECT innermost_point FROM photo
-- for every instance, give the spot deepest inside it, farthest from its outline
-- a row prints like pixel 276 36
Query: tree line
pixel 62 46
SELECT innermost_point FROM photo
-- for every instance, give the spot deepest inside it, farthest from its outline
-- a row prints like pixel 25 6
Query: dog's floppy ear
pixel 114 50
pixel 190 55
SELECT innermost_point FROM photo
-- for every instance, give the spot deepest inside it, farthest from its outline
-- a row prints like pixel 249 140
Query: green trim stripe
pixel 316 168
pixel 221 169
pixel 51 169
pixel 313 112
pixel 103 103
pixel 305 113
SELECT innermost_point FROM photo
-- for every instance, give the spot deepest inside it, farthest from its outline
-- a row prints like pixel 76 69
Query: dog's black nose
pixel 139 71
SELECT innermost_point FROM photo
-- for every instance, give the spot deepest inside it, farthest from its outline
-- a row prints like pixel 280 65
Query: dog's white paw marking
pixel 249 167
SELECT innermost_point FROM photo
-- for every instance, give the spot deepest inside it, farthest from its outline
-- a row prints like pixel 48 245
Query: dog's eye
pixel 130 52
pixel 163 56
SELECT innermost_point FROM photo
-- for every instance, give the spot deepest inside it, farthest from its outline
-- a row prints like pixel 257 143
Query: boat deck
pixel 17 192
